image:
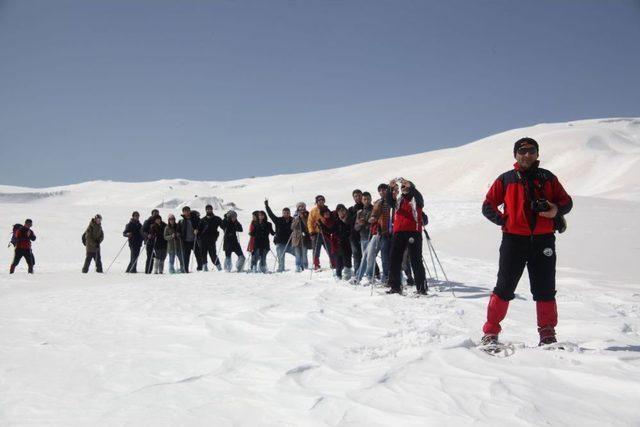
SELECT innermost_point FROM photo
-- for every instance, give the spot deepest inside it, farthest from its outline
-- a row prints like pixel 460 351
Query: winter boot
pixel 227 264
pixel 489 339
pixel 547 335
pixel 547 312
pixel 316 263
pixel 205 267
pixel 240 263
pixel 12 269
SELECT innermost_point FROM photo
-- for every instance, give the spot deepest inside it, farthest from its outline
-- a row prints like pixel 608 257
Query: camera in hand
pixel 540 205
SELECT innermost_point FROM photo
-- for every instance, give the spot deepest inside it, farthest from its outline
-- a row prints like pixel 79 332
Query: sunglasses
pixel 524 150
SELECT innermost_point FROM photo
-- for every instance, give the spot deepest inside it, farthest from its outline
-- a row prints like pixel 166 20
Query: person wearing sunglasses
pixel 532 201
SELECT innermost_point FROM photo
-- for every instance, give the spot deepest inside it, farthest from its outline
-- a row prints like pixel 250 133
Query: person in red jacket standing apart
pixel 22 238
pixel 534 203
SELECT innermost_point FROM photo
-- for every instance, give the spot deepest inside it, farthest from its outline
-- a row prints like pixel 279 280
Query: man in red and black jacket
pixel 407 233
pixel 22 238
pixel 534 204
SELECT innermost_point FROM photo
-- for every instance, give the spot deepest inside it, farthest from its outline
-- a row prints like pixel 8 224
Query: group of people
pixel 527 202
pixel 352 238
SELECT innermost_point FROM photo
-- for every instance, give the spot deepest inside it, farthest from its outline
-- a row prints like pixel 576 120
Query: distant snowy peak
pixel 593 158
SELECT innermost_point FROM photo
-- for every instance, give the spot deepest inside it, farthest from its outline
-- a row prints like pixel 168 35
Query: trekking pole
pixel 117 255
pixel 435 270
pixel 217 263
pixel 426 266
pixel 182 266
pixel 283 253
pixel 135 261
pixel 438 259
pixel 315 247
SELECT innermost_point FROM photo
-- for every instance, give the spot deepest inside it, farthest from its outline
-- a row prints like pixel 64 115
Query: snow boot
pixel 316 263
pixel 547 335
pixel 12 269
pixel 205 267
pixel 489 339
pixel 240 263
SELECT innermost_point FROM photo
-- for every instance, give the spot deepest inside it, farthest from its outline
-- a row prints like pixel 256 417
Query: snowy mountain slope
pixel 295 349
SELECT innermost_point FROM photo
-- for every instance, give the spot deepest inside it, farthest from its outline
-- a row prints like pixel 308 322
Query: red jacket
pixel 24 238
pixel 513 189
pixel 403 219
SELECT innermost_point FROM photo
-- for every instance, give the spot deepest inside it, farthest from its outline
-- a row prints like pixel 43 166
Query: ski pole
pixel 182 266
pixel 438 259
pixel 135 261
pixel 117 255
pixel 435 270
pixel 313 255
pixel 283 253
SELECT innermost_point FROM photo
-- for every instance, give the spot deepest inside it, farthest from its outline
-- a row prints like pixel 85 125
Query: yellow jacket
pixel 314 218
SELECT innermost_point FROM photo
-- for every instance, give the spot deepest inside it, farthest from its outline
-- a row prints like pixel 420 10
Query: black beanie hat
pixel 522 141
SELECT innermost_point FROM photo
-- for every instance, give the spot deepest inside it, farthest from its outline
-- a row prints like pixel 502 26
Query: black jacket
pixel 283 227
pixel 135 228
pixel 352 212
pixel 182 226
pixel 208 228
pixel 146 228
pixel 156 236
pixel 230 228
pixel 260 233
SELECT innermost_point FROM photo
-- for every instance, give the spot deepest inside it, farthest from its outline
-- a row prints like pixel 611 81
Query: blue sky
pixel 141 90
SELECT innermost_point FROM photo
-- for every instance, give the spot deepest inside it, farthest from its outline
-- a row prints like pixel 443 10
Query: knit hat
pixel 524 141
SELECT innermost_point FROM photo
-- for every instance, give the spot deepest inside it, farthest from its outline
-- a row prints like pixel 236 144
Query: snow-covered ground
pixel 294 349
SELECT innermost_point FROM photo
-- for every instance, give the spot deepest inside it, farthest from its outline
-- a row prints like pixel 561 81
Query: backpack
pixel 14 239
pixel 84 238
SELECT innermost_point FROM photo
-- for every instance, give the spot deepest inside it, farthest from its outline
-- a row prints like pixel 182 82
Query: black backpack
pixel 84 238
pixel 14 239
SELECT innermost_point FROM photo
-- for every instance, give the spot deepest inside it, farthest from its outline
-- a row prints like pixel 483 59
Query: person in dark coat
pixel 261 231
pixel 186 229
pixel 207 234
pixel 159 244
pixel 282 239
pixel 174 245
pixel 354 236
pixel 133 232
pixel 337 227
pixel 231 244
pixel 93 238
pixel 22 238
pixel 146 228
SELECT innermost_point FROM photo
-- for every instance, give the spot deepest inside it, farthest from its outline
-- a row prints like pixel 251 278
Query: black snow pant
pixel 208 248
pixel 406 267
pixel 92 256
pixel 356 250
pixel 399 242
pixel 148 265
pixel 133 260
pixel 538 254
pixel 186 254
pixel 343 260
pixel 22 253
